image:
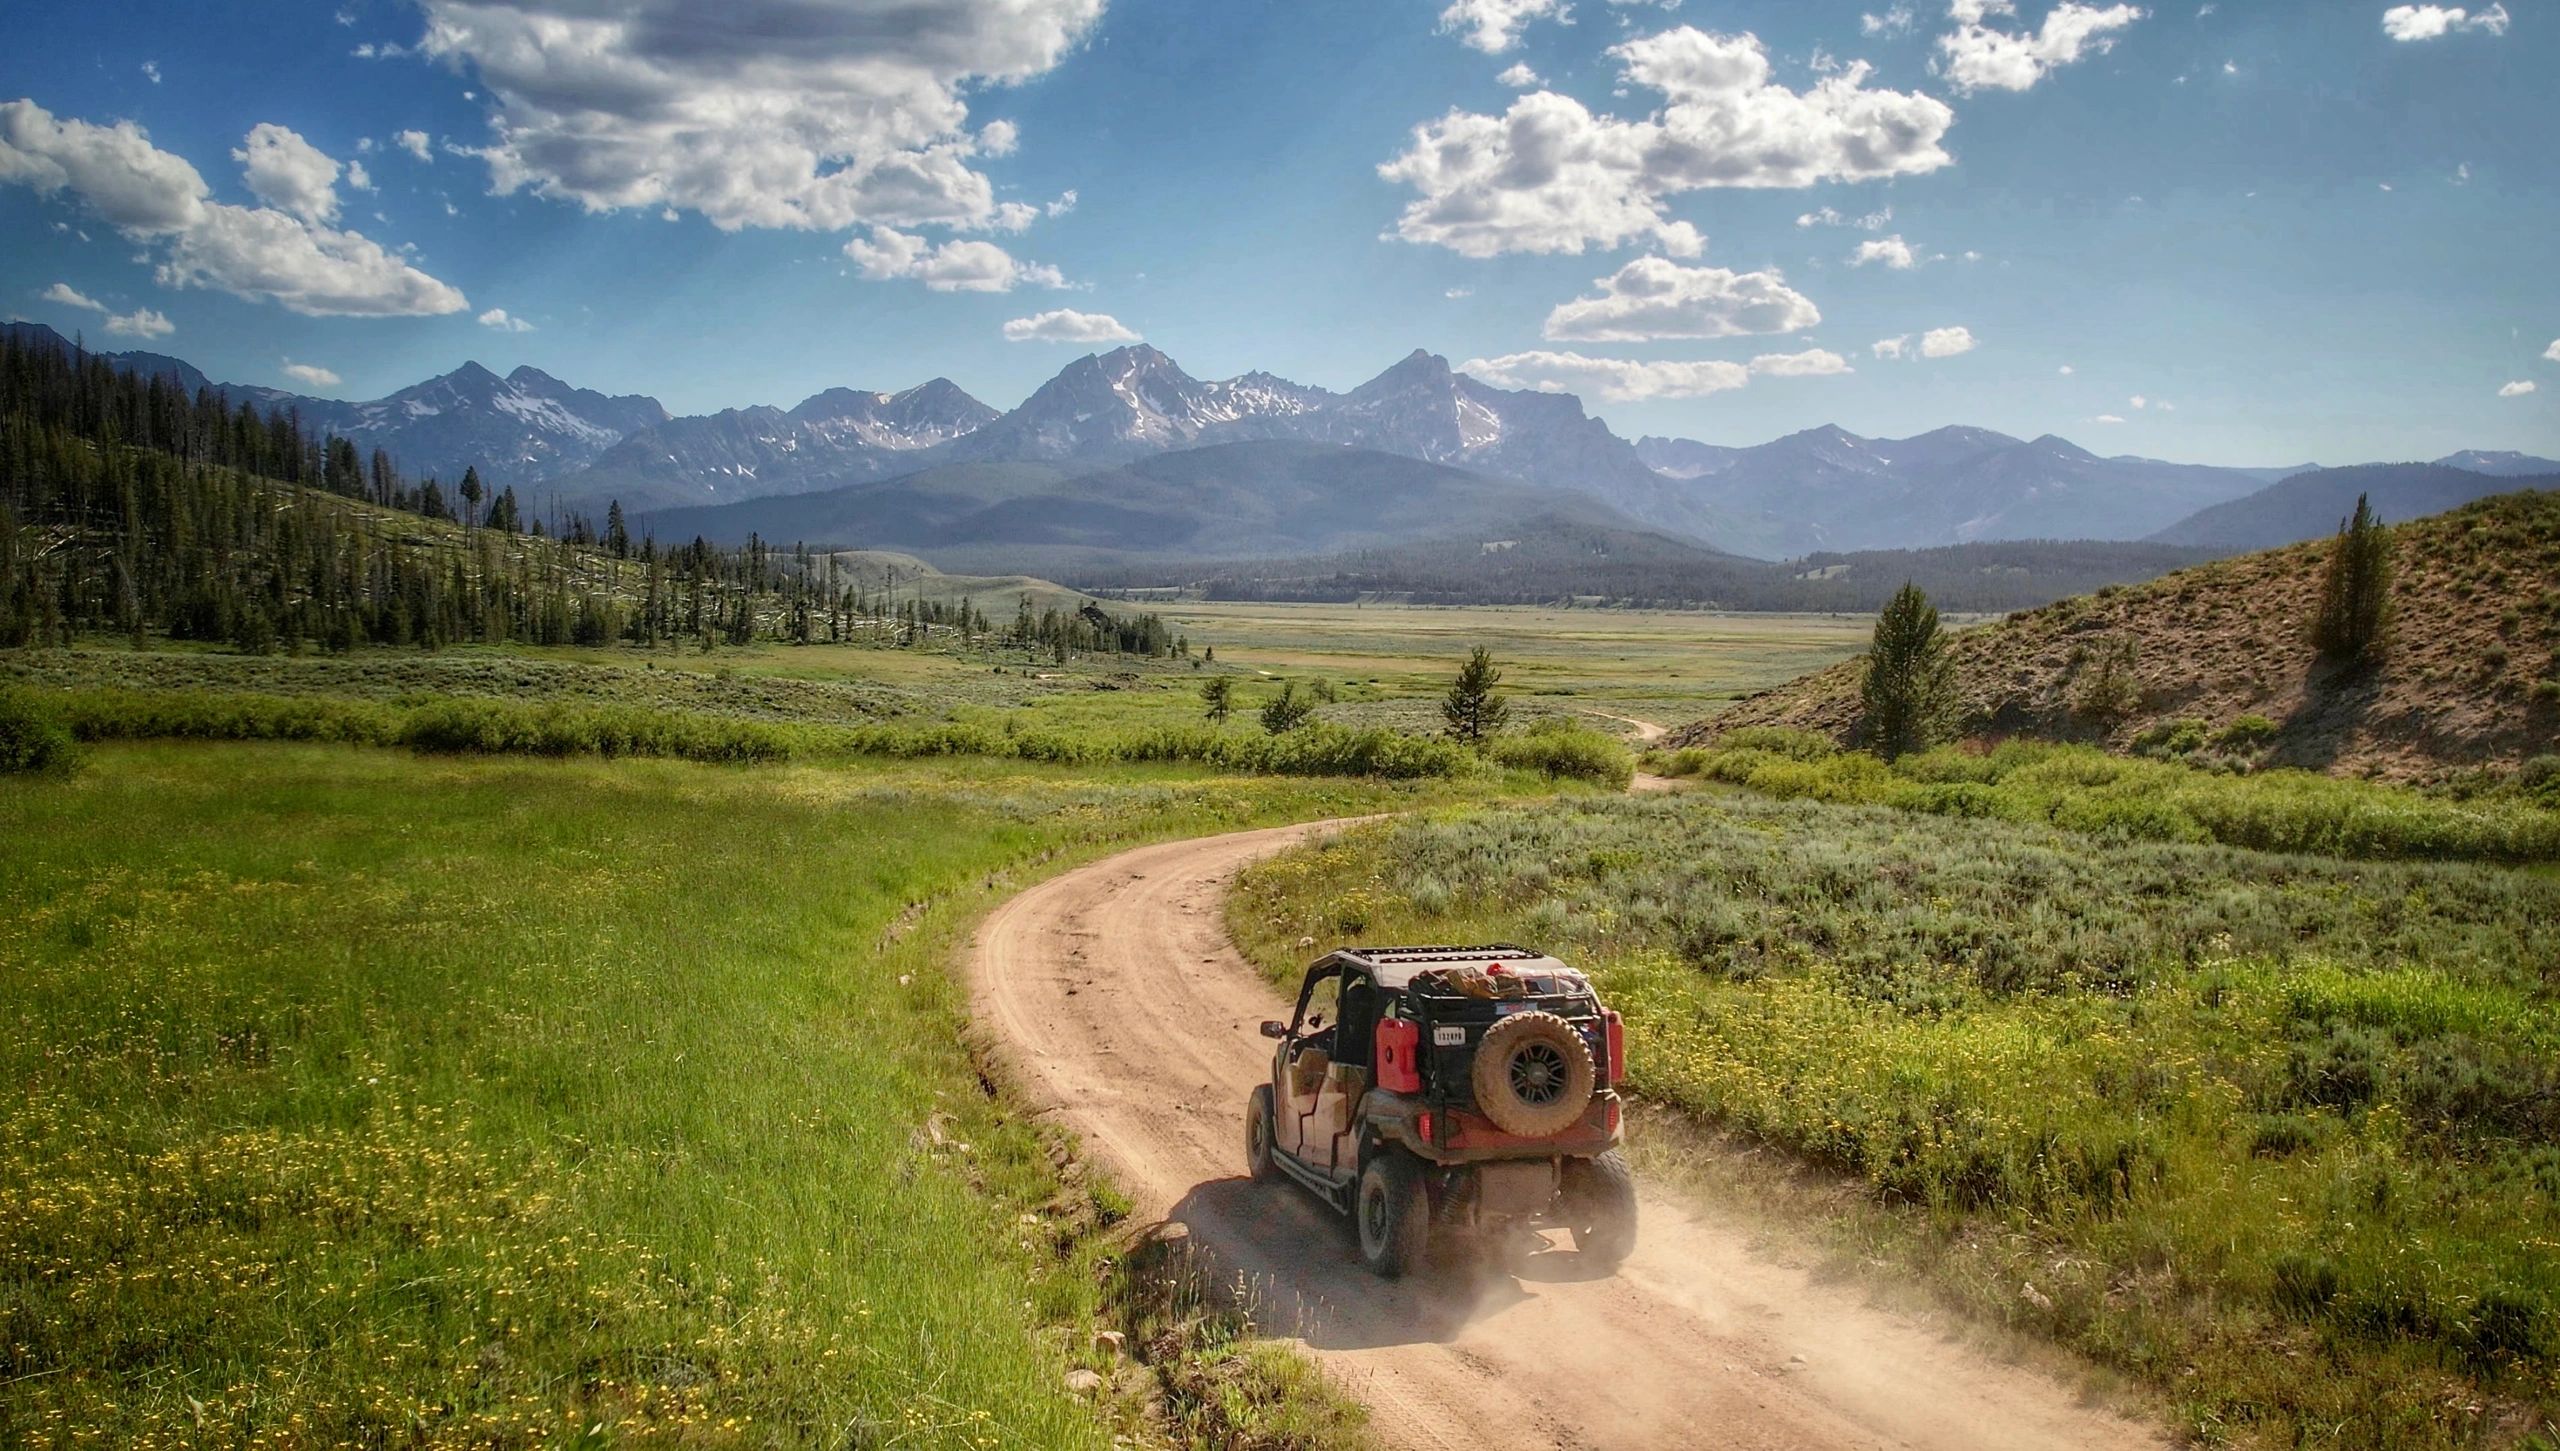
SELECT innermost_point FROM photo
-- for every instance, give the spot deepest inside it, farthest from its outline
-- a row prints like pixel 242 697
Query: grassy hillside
pixel 2269 1134
pixel 992 595
pixel 2470 678
pixel 375 1099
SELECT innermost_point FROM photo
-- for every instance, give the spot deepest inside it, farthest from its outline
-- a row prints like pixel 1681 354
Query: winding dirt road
pixel 1114 995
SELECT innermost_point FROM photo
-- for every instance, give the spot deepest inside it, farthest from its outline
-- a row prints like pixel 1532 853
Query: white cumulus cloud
pixel 1896 20
pixel 1652 297
pixel 289 173
pixel 312 374
pixel 1621 380
pixel 1519 77
pixel 1550 176
pixel 752 113
pixel 2516 389
pixel 1974 56
pixel 1493 26
pixel 1891 348
pixel 2107 418
pixel 261 253
pixel 1946 342
pixel 504 321
pixel 2427 22
pixel 415 143
pixel 1811 363
pixel 2551 354
pixel 142 322
pixel 1892 252
pixel 1066 325
pixel 957 266
pixel 70 296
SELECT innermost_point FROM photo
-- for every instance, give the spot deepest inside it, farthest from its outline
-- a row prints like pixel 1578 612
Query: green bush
pixel 1795 745
pixel 1564 751
pixel 2248 733
pixel 476 725
pixel 32 741
pixel 2173 738
pixel 2085 789
pixel 2540 778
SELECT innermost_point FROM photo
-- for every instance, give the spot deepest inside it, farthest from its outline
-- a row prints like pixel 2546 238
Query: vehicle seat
pixel 1307 1071
pixel 1344 1085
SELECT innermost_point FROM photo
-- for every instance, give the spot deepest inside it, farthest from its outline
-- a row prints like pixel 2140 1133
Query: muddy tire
pixel 1600 1207
pixel 1393 1213
pixel 1533 1075
pixel 1257 1136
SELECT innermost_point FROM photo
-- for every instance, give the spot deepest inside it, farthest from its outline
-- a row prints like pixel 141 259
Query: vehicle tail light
pixel 1422 1125
pixel 1613 1115
pixel 1617 1037
pixel 1399 1064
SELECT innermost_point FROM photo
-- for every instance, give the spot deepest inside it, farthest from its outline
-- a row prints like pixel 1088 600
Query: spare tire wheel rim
pixel 1538 1074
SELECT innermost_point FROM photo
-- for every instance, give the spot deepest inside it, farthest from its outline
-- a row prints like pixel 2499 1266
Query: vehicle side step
pixel 1336 1192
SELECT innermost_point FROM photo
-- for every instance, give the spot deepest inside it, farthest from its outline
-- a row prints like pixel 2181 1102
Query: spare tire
pixel 1533 1075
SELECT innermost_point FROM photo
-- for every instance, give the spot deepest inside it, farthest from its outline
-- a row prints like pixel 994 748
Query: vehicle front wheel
pixel 1600 1207
pixel 1394 1213
pixel 1257 1136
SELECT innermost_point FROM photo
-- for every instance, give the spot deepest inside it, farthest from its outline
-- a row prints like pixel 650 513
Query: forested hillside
pixel 130 507
pixel 1554 558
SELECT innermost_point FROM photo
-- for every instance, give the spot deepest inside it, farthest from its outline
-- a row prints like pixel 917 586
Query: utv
pixel 1449 1087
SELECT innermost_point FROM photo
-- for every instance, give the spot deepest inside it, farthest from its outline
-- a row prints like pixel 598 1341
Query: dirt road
pixel 1647 732
pixel 1124 1012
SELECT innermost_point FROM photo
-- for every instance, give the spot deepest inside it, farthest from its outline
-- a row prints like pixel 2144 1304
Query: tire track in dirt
pixel 1647 732
pixel 1115 998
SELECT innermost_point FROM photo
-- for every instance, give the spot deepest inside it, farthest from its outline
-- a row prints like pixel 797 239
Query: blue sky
pixel 2293 231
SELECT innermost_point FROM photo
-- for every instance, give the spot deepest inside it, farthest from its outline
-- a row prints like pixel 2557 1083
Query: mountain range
pixel 1464 446
pixel 2308 506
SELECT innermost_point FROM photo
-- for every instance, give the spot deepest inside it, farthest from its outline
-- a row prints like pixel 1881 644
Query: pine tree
pixel 1474 713
pixel 1909 690
pixel 1218 693
pixel 2355 590
pixel 1286 711
pixel 473 491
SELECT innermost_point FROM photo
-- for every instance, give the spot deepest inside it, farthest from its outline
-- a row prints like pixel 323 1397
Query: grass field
pixel 2269 1134
pixel 375 1097
pixel 366 1097
pixel 1384 666
pixel 1669 666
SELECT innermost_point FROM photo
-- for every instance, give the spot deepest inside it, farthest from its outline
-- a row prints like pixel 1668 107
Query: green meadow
pixel 512 1045
pixel 2267 1134
pixel 370 1097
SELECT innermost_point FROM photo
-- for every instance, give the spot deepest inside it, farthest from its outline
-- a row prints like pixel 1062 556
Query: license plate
pixel 1449 1037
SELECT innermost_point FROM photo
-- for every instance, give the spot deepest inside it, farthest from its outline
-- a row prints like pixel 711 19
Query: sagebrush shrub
pixel 32 741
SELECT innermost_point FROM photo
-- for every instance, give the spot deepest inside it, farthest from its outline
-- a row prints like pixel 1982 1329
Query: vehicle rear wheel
pixel 1533 1075
pixel 1394 1214
pixel 1257 1136
pixel 1600 1207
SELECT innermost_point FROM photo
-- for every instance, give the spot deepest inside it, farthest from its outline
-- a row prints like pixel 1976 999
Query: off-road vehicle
pixel 1449 1088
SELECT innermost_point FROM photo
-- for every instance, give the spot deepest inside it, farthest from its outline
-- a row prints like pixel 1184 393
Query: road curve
pixel 1115 998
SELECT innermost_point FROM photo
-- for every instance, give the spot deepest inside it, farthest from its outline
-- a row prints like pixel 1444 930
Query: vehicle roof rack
pixel 1416 956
